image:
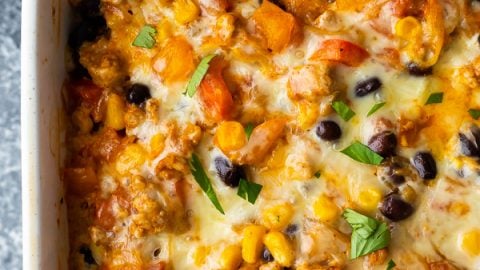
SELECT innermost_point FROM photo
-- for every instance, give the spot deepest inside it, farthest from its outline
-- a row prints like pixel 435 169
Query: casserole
pixel 45 244
pixel 282 115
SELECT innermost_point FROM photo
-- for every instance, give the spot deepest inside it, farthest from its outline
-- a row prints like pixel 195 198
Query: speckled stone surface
pixel 10 183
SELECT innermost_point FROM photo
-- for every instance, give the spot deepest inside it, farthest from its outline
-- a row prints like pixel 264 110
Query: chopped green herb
pixel 375 108
pixel 146 37
pixel 343 110
pixel 198 75
pixel 248 130
pixel 368 234
pixel 362 153
pixel 317 174
pixel 391 264
pixel 435 98
pixel 249 190
pixel 474 113
pixel 204 182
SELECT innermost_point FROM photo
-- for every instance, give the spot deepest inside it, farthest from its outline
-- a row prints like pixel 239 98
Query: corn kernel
pixel 271 266
pixel 407 27
pixel 115 112
pixel 164 30
pixel 325 209
pixel 200 255
pixel 410 30
pixel 252 243
pixel 81 119
pixel 369 198
pixel 185 11
pixel 278 217
pixel 280 248
pixel 307 114
pixel 471 242
pixel 459 208
pixel 157 144
pixel 131 157
pixel 230 136
pixel 231 257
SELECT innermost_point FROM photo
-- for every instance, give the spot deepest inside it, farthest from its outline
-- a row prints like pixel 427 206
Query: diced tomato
pixel 217 99
pixel 341 51
pixel 85 91
pixel 105 213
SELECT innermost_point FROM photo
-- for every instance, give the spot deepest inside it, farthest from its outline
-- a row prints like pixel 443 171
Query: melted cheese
pixel 445 208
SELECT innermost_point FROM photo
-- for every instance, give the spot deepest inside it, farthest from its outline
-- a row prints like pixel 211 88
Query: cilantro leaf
pixel 204 182
pixel 249 190
pixel 436 97
pixel 248 130
pixel 368 234
pixel 391 264
pixel 365 226
pixel 362 153
pixel 146 37
pixel 343 110
pixel 198 75
pixel 474 113
pixel 317 174
pixel 375 108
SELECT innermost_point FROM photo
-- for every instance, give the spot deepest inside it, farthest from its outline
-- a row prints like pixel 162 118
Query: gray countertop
pixel 10 183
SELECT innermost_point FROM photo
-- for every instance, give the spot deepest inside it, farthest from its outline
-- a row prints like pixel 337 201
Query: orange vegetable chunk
pixel 341 51
pixel 278 27
pixel 175 61
pixel 214 94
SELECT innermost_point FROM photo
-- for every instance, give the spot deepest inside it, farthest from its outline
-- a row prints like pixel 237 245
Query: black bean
pixel 383 143
pixel 87 30
pixel 156 252
pixel 138 94
pixel 87 255
pixel 230 174
pixel 395 209
pixel 328 130
pixel 88 8
pixel 425 165
pixel 79 71
pixel 467 147
pixel 397 179
pixel 291 230
pixel 367 86
pixel 267 256
pixel 476 134
pixel 416 70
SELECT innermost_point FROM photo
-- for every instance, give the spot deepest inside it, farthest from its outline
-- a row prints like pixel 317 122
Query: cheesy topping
pixel 303 110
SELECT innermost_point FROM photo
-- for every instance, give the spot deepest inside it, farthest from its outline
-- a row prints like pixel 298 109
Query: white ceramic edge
pixel 45 244
pixel 29 144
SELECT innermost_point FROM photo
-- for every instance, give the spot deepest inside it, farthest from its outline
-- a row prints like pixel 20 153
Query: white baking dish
pixel 44 34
